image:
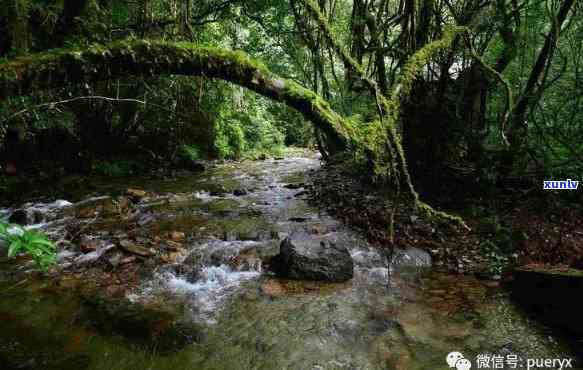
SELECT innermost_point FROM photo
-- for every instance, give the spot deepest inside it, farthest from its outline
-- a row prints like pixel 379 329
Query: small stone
pixel 136 193
pixel 492 284
pixel 177 236
pixel 171 257
pixel 88 245
pixel 294 186
pixel 91 207
pixel 239 192
pixel 273 288
pixel 127 260
pixel 130 247
pixel 173 246
pixel 298 219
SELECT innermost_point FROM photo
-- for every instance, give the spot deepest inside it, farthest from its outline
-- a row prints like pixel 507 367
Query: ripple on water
pixel 207 294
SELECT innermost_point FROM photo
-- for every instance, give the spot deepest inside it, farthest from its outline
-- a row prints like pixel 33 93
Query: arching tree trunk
pixel 148 58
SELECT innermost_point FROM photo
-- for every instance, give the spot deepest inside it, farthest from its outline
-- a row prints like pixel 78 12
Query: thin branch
pixel 52 105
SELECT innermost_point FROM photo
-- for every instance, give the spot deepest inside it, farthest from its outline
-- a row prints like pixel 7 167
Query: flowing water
pixel 236 316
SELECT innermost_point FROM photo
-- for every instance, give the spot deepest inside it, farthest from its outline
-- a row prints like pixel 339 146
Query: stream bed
pixel 232 314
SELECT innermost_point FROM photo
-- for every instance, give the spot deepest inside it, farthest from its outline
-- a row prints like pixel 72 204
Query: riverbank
pixel 214 306
pixel 509 227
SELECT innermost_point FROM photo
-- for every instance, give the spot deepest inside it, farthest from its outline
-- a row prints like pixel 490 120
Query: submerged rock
pixel 89 258
pixel 20 217
pixel 239 192
pixel 153 327
pixel 312 260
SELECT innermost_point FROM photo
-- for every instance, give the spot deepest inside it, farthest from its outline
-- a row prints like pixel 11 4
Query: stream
pixel 230 314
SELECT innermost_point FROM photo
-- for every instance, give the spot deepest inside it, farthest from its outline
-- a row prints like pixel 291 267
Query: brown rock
pixel 177 236
pixel 173 246
pixel 136 193
pixel 171 257
pixel 130 247
pixel 123 203
pixel 88 245
pixel 89 208
pixel 127 260
pixel 273 288
pixel 492 283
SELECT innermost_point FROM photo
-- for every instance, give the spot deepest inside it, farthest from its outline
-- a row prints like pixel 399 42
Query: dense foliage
pixel 486 89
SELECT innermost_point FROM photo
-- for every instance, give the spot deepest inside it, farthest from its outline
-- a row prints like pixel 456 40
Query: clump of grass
pixel 36 245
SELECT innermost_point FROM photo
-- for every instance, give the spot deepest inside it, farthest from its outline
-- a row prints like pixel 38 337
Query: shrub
pixel 189 153
pixel 36 245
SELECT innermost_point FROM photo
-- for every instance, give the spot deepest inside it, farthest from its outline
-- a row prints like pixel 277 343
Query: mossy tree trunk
pixel 56 68
pixel 150 58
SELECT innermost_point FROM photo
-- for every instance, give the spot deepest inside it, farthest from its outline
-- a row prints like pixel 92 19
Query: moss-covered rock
pixel 551 293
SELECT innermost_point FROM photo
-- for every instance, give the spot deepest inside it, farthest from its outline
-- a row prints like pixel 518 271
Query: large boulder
pixel 550 292
pixel 312 260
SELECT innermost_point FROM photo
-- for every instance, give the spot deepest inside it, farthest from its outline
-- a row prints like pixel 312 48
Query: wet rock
pixel 273 288
pixel 146 218
pixel 239 192
pixel 31 215
pixel 20 217
pixel 90 258
pixel 152 327
pixel 294 186
pixel 115 260
pixel 411 257
pixel 87 244
pixel 133 248
pixel 247 260
pixel 123 204
pixel 173 246
pixel 136 194
pixel 63 255
pixel 177 236
pixel 172 257
pixel 130 259
pixel 193 265
pixel 550 293
pixel 312 260
pixel 298 219
pixel 88 208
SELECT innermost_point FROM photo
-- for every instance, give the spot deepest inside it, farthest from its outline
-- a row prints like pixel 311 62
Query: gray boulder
pixel 312 260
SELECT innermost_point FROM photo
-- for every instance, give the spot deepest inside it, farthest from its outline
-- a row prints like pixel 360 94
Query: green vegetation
pixel 37 246
pixel 189 152
pixel 117 168
pixel 417 96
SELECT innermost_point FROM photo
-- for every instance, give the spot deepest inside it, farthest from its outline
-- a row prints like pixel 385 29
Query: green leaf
pixel 14 248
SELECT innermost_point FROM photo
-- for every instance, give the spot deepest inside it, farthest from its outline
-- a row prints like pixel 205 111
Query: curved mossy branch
pixel 56 68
